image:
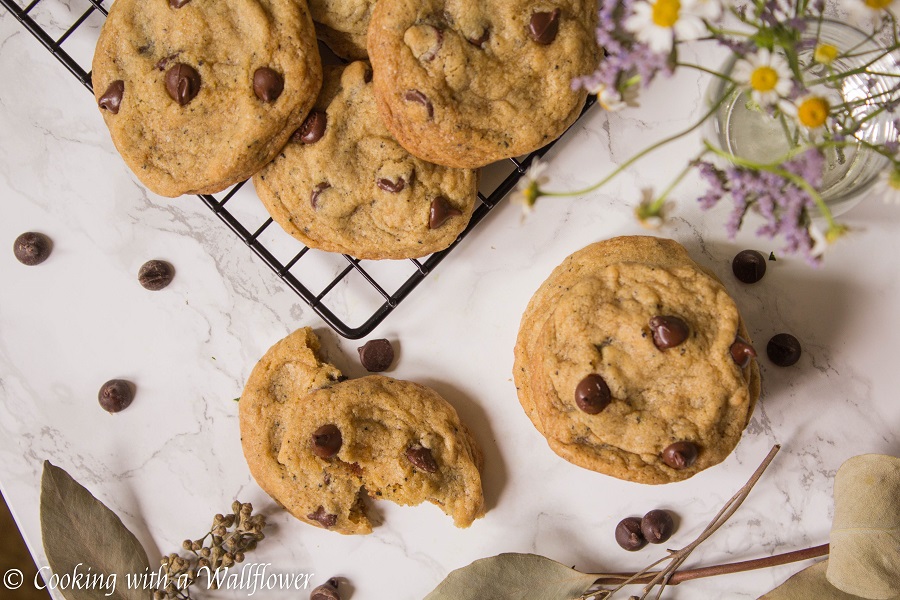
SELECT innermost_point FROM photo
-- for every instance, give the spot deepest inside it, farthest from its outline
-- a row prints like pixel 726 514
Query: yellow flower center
pixel 812 112
pixel 825 54
pixel 665 12
pixel 878 4
pixel 763 79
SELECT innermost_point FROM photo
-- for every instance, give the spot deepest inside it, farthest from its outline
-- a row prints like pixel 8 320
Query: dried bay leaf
pixel 78 528
pixel 809 584
pixel 513 577
pixel 865 533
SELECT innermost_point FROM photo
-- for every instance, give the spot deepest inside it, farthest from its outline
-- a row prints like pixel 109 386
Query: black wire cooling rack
pixel 373 288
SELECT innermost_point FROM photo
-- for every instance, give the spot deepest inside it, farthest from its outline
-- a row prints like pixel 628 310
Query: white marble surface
pixel 173 459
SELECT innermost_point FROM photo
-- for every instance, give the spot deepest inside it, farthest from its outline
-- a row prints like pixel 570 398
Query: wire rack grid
pixel 68 29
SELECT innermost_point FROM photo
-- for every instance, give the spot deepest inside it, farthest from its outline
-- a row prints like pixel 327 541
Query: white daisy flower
pixel 866 12
pixel 820 242
pixel 658 23
pixel 766 74
pixel 613 101
pixel 811 111
pixel 528 189
pixel 888 185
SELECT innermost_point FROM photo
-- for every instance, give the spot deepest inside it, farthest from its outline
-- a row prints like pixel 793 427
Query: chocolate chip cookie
pixel 315 444
pixel 199 95
pixel 633 361
pixel 342 25
pixel 464 84
pixel 343 184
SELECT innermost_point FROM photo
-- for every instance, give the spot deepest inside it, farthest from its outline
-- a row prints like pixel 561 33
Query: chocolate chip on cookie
pixel 182 83
pixel 394 187
pixel 420 98
pixel 267 84
pixel 441 212
pixel 162 63
pixel 424 41
pixel 544 26
pixel 178 3
pixel 111 99
pixel 680 455
pixel 326 441
pixel 592 394
pixel 324 518
pixel 742 352
pixel 376 355
pixel 313 128
pixel 668 331
pixel 314 195
pixel 482 39
pixel 421 458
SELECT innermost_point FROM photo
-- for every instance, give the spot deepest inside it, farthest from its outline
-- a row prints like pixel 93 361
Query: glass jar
pixel 743 129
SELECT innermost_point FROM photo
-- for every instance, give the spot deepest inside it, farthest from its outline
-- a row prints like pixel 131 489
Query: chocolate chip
pixel 267 84
pixel 178 3
pixel 592 394
pixel 313 128
pixel 182 83
pixel 680 455
pixel 482 39
pixel 629 535
pixel 742 352
pixel 657 526
pixel 783 349
pixel 390 186
pixel 162 63
pixel 544 26
pixel 111 99
pixel 314 196
pixel 436 43
pixel 421 458
pixel 376 355
pixel 419 97
pixel 115 395
pixel 32 248
pixel 441 211
pixel 326 441
pixel 324 519
pixel 326 591
pixel 749 266
pixel 154 275
pixel 668 331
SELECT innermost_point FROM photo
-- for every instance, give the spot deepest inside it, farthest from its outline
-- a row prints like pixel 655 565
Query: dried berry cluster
pixel 223 546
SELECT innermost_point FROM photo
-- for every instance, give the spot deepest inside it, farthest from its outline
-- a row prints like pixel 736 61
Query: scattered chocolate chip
pixel 657 526
pixel 314 196
pixel 313 128
pixel 772 256
pixel 326 591
pixel 783 349
pixel 629 535
pixel 391 186
pixel 182 83
pixel 749 266
pixel 154 275
pixel 162 63
pixel 326 441
pixel 742 352
pixel 422 459
pixel 544 26
pixel 592 394
pixel 441 211
pixel 668 331
pixel 267 84
pixel 680 455
pixel 482 39
pixel 325 520
pixel 111 99
pixel 419 97
pixel 178 3
pixel 376 355
pixel 115 395
pixel 32 248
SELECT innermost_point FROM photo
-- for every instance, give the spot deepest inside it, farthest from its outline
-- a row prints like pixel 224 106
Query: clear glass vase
pixel 746 131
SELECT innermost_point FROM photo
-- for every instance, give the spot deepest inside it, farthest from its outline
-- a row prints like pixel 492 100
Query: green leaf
pixel 513 577
pixel 865 533
pixel 81 533
pixel 809 584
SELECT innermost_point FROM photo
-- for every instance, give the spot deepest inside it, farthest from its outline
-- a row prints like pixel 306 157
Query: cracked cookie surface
pixel 200 94
pixel 594 317
pixel 343 184
pixel 464 84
